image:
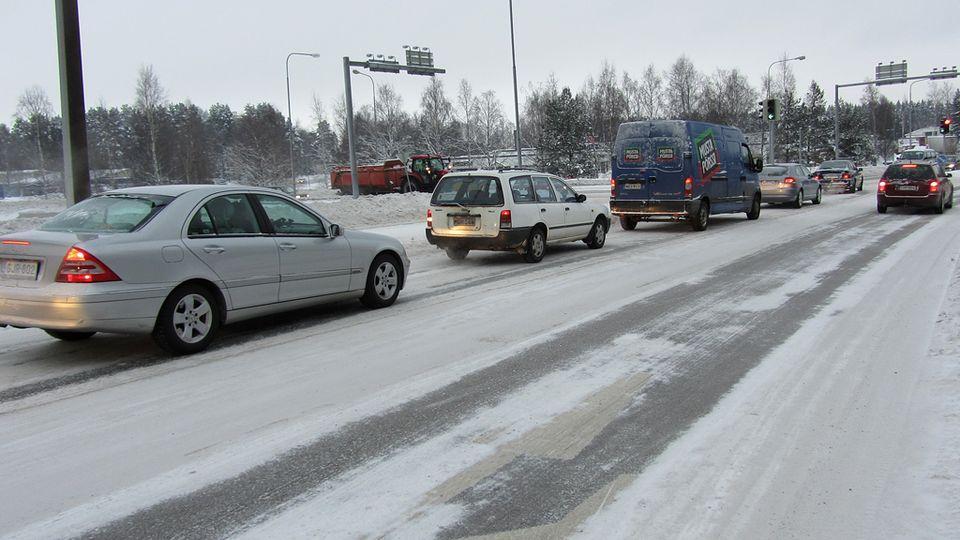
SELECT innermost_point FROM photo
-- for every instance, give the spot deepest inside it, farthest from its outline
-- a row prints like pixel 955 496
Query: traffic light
pixel 771 109
pixel 945 123
pixel 761 112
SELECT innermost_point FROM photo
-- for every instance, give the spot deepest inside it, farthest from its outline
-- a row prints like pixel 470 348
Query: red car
pixel 923 184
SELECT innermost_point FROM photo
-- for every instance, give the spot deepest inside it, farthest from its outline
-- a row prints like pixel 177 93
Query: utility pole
pixel 76 164
pixel 516 94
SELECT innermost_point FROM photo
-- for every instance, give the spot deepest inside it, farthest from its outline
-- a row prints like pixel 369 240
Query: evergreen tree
pixel 562 148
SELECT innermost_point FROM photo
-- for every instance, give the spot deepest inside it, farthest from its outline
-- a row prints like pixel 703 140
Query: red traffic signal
pixel 945 125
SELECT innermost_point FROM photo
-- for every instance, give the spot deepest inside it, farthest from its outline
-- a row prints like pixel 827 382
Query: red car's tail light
pixel 934 186
pixel 688 188
pixel 506 219
pixel 909 166
pixel 429 218
pixel 882 186
pixel 78 266
pixel 789 180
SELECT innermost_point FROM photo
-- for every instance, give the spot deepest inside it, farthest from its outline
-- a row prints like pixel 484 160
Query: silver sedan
pixel 789 183
pixel 180 261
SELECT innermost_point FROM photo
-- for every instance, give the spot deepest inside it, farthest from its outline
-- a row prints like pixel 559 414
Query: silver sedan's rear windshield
pixel 774 170
pixel 108 214
pixel 836 165
pixel 468 191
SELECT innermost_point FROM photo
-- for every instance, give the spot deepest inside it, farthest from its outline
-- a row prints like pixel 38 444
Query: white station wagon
pixel 511 210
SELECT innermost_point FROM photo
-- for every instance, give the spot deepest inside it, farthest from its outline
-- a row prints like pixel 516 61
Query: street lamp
pixel 293 171
pixel 372 82
pixel 516 95
pixel 769 85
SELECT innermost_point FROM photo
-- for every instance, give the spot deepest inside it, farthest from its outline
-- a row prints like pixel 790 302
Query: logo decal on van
pixel 631 154
pixel 709 157
pixel 665 154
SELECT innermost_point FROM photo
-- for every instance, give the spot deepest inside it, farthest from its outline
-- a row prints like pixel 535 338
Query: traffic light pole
pixel 76 169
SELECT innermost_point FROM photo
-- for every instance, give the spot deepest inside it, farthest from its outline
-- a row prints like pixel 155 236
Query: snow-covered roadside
pixel 848 430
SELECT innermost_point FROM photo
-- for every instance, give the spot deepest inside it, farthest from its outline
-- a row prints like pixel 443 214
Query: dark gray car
pixel 789 183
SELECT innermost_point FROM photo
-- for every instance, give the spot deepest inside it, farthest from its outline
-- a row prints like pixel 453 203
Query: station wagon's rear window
pixel 108 214
pixel 468 191
pixel 909 172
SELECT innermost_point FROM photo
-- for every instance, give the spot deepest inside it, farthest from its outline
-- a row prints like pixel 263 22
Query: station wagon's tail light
pixel 506 219
pixel 613 187
pixel 78 266
pixel 789 180
pixel 882 186
pixel 846 176
pixel 429 218
pixel 934 186
pixel 688 188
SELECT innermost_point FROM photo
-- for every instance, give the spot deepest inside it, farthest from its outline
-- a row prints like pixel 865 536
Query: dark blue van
pixel 682 170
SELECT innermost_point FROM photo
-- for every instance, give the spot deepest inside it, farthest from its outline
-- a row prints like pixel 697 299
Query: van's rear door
pixel 648 162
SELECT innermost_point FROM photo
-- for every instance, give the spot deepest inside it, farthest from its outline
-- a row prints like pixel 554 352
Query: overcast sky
pixel 233 51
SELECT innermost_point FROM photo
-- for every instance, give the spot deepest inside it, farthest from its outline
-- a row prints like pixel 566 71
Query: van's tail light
pixel 688 188
pixel 789 180
pixel 429 218
pixel 882 186
pixel 78 266
pixel 846 176
pixel 613 187
pixel 506 219
pixel 934 186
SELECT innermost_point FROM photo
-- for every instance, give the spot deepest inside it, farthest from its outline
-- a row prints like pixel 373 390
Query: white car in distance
pixel 511 210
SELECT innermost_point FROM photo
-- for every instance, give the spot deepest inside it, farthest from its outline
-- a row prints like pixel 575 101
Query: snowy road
pixel 749 381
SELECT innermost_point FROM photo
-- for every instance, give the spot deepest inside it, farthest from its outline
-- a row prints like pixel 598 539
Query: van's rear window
pixel 108 213
pixel 468 191
pixel 909 172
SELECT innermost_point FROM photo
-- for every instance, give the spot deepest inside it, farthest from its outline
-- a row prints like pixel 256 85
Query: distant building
pixel 931 138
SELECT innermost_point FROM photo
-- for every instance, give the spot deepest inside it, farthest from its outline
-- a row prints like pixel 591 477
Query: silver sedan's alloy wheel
pixel 192 318
pixel 386 280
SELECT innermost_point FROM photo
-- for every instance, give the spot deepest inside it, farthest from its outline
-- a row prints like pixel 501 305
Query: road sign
pixel 944 73
pixel 891 73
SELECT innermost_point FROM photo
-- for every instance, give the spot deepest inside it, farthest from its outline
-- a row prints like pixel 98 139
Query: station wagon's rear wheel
pixel 536 246
pixel 628 223
pixel 188 320
pixel 68 335
pixel 457 254
pixel 383 282
pixel 597 235
pixel 701 218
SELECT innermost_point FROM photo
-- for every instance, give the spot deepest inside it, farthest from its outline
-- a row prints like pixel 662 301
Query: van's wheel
pixel 819 198
pixel 408 185
pixel 68 335
pixel 628 223
pixel 597 235
pixel 754 212
pixel 536 246
pixel 457 254
pixel 187 321
pixel 701 218
pixel 383 282
pixel 799 202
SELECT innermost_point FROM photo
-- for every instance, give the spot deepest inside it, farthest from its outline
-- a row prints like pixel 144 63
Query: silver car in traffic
pixel 789 183
pixel 180 261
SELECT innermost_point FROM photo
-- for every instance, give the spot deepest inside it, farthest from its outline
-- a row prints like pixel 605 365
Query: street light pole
pixel 769 87
pixel 516 94
pixel 910 101
pixel 293 171
pixel 372 82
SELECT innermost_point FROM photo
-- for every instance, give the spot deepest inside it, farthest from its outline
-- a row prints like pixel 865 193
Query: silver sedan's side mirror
pixel 336 230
